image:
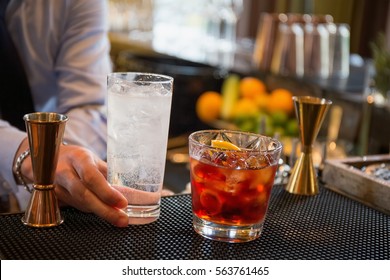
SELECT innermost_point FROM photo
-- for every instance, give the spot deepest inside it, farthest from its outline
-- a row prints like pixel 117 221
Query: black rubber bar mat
pixel 326 226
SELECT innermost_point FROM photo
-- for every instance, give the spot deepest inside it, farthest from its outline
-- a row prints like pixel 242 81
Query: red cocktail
pixel 231 183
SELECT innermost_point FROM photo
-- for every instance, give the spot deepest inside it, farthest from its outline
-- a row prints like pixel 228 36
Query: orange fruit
pixel 208 106
pixel 245 107
pixel 281 100
pixel 250 87
pixel 262 100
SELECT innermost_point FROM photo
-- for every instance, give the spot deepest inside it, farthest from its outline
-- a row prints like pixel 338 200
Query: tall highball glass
pixel 138 114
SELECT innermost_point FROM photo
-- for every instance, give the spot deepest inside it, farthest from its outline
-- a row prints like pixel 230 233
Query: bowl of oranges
pixel 245 103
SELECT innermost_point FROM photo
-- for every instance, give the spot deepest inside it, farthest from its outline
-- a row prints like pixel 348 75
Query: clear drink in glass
pixel 138 117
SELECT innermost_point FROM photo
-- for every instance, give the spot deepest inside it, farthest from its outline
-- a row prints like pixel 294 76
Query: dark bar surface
pixel 327 226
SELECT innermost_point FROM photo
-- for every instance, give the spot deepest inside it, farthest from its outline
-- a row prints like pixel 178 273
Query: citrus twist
pixel 224 145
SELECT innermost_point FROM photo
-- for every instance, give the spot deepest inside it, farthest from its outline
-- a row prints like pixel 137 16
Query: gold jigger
pixel 45 131
pixel 310 112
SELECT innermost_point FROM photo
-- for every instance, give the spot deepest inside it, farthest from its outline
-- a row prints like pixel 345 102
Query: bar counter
pixel 327 226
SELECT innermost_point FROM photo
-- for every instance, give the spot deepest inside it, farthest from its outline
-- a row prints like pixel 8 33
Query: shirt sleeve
pixel 82 65
pixel 9 142
pixel 80 61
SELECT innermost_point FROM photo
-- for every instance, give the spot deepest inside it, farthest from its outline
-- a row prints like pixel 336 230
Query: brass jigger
pixel 45 132
pixel 310 112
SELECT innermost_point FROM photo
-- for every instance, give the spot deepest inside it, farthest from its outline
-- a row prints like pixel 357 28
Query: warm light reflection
pixel 370 99
pixel 332 146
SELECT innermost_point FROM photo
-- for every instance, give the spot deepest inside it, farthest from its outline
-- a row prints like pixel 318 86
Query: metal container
pixel 287 58
pixel 339 43
pixel 316 48
pixel 266 39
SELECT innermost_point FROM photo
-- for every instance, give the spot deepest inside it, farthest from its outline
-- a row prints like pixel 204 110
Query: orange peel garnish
pixel 224 145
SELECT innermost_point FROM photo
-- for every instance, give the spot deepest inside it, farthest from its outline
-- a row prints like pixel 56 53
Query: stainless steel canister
pixel 316 51
pixel 339 50
pixel 287 58
pixel 265 39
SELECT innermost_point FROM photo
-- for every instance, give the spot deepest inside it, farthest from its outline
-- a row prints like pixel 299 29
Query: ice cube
pixel 235 181
pixel 218 158
pixel 205 154
pixel 257 161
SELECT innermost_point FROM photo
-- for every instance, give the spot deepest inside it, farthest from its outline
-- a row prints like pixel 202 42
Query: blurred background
pixel 237 63
pixel 366 18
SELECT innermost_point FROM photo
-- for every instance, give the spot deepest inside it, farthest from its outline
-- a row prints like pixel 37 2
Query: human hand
pixel 80 182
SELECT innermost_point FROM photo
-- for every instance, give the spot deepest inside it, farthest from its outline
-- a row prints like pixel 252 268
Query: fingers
pixel 97 183
pixel 114 216
pixel 81 183
pixel 88 168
